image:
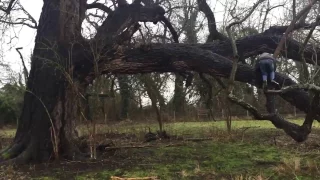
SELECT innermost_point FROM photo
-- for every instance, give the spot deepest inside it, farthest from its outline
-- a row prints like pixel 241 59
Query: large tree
pixel 64 63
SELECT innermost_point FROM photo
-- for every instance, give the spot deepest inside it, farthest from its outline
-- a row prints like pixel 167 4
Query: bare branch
pixel 305 67
pixel 25 70
pixel 269 9
pixel 171 28
pixel 291 27
pixel 214 34
pixel 234 46
pixel 9 8
pixel 29 16
pixel 22 22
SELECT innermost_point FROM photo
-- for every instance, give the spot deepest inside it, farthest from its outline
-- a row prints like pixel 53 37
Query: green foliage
pixel 11 101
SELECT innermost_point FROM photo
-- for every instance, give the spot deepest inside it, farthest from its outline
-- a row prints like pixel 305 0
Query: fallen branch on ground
pixel 144 146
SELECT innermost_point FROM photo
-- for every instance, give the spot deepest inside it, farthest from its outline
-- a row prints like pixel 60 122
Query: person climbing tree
pixel 267 66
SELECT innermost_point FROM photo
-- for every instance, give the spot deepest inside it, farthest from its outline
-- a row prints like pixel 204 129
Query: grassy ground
pixel 254 150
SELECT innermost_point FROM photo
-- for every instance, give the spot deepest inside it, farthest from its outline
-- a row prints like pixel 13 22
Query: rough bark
pixel 49 107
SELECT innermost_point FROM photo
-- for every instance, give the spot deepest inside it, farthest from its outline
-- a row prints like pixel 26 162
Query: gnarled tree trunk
pixel 49 112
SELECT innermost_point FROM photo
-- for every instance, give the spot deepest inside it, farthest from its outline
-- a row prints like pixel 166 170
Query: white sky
pixel 26 38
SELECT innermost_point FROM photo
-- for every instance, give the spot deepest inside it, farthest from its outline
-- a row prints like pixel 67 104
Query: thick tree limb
pixel 257 44
pixel 172 30
pixel 298 133
pixel 214 34
pixel 124 17
pixel 182 58
pixel 247 47
pixel 99 6
pixel 282 29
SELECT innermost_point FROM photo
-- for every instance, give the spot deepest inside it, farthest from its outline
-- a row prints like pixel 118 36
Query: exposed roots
pixel 13 151
pixel 17 154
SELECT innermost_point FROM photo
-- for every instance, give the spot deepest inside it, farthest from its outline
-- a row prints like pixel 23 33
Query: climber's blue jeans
pixel 267 68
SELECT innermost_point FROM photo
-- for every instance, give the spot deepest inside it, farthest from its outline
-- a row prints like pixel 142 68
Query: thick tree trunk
pixel 125 96
pixel 49 112
pixel 154 99
pixel 179 97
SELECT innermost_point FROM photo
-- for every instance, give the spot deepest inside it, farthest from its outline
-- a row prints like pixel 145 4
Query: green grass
pixel 250 154
pixel 209 160
pixel 185 128
pixel 178 128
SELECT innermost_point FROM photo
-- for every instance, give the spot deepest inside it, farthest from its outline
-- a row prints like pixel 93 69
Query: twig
pixel 25 70
pixel 291 27
pixel 234 46
pixel 267 12
pixel 305 66
pixel 9 8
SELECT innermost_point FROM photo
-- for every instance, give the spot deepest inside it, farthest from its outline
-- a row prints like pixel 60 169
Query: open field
pixel 254 150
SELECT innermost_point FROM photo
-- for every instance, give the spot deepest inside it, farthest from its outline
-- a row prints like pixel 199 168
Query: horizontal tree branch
pixel 185 58
pixel 256 44
pixel 310 87
pixel 99 6
pixel 22 22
